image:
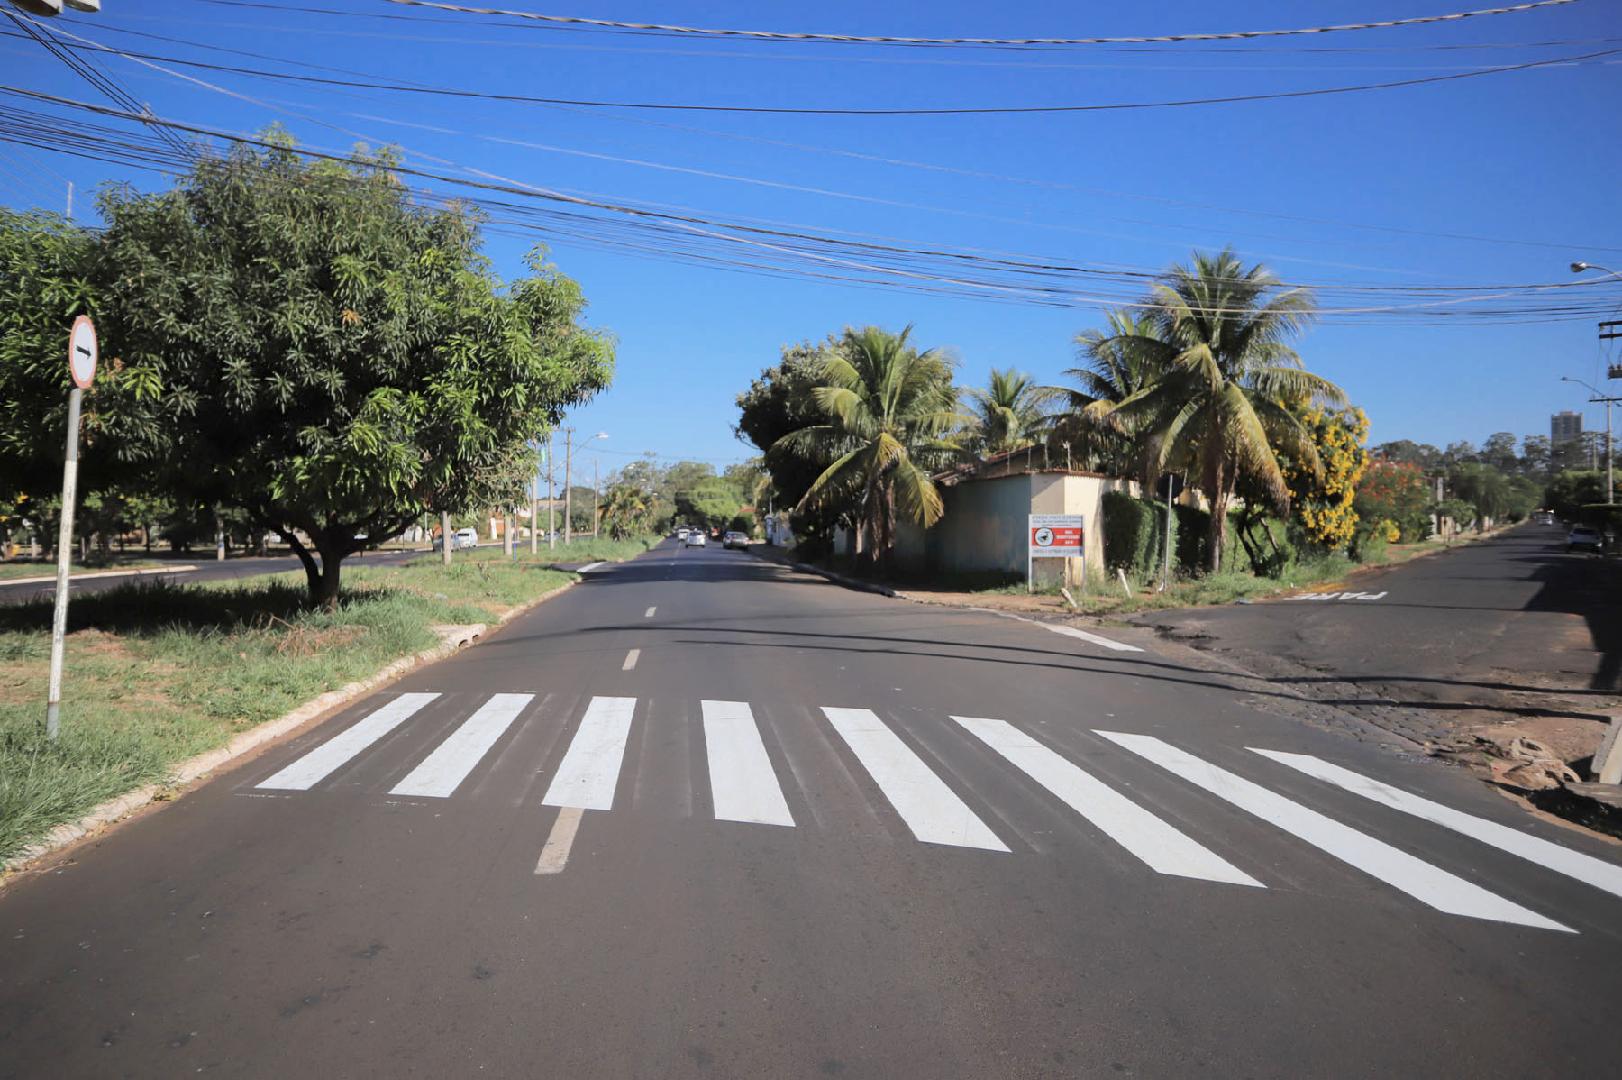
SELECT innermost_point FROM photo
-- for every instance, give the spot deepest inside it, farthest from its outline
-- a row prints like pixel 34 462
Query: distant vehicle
pixel 1583 538
pixel 681 533
pixel 461 538
pixel 696 538
pixel 735 540
pixel 1544 517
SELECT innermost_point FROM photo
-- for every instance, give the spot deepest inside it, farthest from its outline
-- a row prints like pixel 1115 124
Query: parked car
pixel 696 538
pixel 735 540
pixel 461 538
pixel 1583 538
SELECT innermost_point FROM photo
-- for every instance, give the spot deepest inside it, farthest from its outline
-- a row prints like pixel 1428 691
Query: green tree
pixel 1116 363
pixel 711 503
pixel 336 358
pixel 1397 492
pixel 1573 489
pixel 888 411
pixel 627 511
pixel 1010 413
pixel 780 402
pixel 1222 333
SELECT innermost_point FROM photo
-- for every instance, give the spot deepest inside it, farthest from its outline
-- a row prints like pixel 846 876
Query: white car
pixel 696 538
pixel 681 533
pixel 461 538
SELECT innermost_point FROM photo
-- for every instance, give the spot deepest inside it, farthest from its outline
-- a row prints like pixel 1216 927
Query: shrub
pixel 1134 533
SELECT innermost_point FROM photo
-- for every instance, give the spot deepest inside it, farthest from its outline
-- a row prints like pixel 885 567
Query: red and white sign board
pixel 1055 536
pixel 82 352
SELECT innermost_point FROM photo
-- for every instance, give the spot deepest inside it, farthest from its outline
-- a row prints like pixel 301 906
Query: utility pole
pixel 551 502
pixel 568 472
pixel 534 515
pixel 1165 568
pixel 445 536
pixel 595 480
pixel 1607 401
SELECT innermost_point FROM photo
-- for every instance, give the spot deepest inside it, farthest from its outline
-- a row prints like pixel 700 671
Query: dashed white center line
pixel 648 614
pixel 555 854
pixel 630 659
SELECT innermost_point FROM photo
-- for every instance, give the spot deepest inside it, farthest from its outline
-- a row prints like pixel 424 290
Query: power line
pixel 863 39
pixel 781 251
pixel 977 110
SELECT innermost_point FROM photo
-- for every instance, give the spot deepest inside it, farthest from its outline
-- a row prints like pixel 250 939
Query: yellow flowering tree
pixel 1321 499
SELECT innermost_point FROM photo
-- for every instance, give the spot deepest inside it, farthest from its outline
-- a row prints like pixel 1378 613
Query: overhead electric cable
pixel 979 110
pixel 869 39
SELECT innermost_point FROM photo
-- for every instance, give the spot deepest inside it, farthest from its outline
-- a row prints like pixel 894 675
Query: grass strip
pixel 159 672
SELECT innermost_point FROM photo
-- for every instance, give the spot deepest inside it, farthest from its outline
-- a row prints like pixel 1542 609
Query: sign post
pixel 1053 536
pixel 82 367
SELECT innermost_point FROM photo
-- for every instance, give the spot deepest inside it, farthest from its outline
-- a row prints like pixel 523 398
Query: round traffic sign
pixel 1044 537
pixel 82 352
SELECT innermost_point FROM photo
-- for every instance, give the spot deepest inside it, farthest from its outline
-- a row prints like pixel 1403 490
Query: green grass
pixel 159 672
pixel 583 550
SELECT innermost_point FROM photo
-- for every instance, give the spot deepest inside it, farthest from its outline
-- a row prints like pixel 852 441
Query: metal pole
pixel 1609 488
pixel 64 552
pixel 595 480
pixel 568 482
pixel 551 502
pixel 534 515
pixel 445 536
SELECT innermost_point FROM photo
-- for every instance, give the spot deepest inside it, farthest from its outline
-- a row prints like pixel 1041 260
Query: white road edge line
pixel 1551 856
pixel 1067 631
pixel 1430 885
pixel 555 853
pixel 1162 847
pixel 442 772
pixel 315 766
pixel 648 614
pixel 743 785
pixel 630 659
pixel 930 808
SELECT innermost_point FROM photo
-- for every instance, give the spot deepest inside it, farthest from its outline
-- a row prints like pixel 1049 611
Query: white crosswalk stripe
pixel 314 767
pixel 443 771
pixel 1424 882
pixel 742 781
pixel 1158 844
pixel 931 810
pixel 590 770
pixel 745 787
pixel 1574 864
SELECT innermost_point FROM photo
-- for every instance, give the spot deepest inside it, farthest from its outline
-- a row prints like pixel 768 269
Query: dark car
pixel 1583 538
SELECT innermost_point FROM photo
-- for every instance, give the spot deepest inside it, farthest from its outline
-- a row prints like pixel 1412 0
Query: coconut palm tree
pixel 1221 401
pixel 1114 366
pixel 1010 413
pixel 890 410
pixel 627 511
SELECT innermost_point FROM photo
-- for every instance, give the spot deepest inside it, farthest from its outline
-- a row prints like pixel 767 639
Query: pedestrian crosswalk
pixel 746 762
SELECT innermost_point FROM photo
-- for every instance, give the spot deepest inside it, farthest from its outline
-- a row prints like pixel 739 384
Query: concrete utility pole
pixel 568 470
pixel 551 501
pixel 595 480
pixel 1165 568
pixel 534 515
pixel 445 537
pixel 507 517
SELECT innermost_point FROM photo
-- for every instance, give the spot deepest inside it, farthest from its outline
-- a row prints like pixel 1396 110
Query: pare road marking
pixel 1339 596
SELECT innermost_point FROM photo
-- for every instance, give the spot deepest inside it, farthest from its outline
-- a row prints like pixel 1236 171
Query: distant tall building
pixel 1565 427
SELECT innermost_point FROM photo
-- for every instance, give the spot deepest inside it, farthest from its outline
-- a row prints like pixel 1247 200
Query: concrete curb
pixel 849 582
pixel 114 810
pixel 50 579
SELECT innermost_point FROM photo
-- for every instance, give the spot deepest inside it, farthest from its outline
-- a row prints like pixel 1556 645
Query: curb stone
pixel 114 810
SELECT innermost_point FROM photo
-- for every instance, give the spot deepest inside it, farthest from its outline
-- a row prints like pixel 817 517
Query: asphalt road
pixel 207 569
pixel 768 849
pixel 1512 624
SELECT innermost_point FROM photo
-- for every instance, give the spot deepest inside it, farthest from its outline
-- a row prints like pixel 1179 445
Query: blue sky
pixel 1526 160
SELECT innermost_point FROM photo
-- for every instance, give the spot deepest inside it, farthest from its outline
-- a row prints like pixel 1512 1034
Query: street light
pixel 1609 487
pixel 1581 267
pixel 569 448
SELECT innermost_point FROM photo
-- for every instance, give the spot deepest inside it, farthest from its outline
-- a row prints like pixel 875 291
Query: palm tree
pixel 1221 401
pixel 889 409
pixel 627 511
pixel 1114 366
pixel 1010 413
